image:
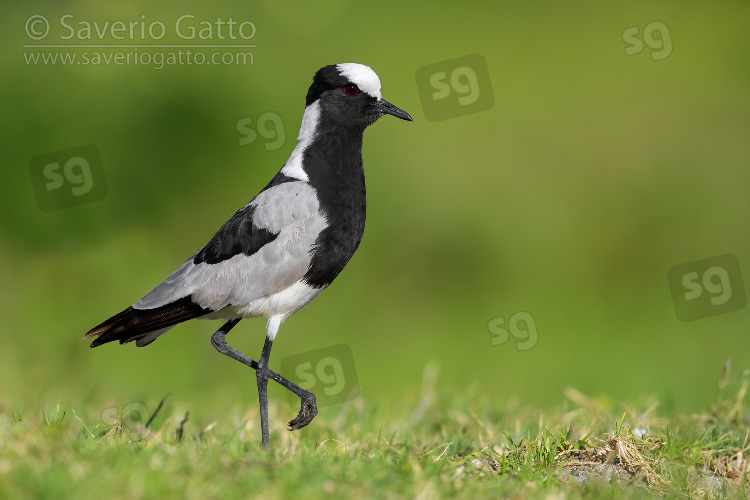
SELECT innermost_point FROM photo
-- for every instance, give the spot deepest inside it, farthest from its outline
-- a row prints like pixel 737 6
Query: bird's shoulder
pixel 283 202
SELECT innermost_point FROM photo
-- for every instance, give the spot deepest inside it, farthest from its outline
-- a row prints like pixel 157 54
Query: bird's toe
pixel 307 413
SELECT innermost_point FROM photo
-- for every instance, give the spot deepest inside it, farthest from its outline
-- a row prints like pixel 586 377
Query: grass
pixel 434 447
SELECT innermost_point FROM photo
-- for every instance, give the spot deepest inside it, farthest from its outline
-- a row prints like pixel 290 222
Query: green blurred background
pixel 591 176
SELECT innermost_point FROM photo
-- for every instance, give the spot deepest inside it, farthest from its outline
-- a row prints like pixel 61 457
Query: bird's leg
pixel 308 408
pixel 261 374
pixel 219 341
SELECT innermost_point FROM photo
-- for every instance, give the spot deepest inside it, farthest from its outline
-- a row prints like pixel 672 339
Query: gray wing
pixel 263 250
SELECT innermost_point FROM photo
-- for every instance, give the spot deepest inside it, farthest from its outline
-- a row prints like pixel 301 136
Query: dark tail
pixel 133 324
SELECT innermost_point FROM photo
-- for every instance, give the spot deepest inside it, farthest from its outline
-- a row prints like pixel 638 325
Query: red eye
pixel 351 89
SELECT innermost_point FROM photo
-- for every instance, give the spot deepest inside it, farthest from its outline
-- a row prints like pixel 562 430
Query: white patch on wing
pixel 362 76
pixel 284 205
pixel 293 166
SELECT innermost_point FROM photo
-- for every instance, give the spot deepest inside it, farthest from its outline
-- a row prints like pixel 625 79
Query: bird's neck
pixel 335 158
pixel 332 163
pixel 329 153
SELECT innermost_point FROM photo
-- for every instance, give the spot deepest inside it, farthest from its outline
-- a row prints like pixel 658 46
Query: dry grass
pixel 447 445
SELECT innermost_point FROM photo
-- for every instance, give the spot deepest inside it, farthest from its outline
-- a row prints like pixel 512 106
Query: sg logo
pixel 661 46
pixel 132 416
pixel 76 171
pixel 454 88
pixel 68 178
pixel 463 81
pixel 521 326
pixel 269 126
pixel 707 287
pixel 328 373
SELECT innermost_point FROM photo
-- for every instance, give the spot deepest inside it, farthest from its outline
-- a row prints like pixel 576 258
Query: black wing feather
pixel 132 324
pixel 237 235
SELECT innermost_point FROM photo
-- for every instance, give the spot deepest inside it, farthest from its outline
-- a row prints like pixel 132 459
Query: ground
pixel 431 450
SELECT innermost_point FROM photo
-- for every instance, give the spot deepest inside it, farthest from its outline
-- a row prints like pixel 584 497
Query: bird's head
pixel 349 93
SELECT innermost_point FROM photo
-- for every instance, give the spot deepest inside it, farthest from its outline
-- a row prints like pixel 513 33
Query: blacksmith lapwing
pixel 283 248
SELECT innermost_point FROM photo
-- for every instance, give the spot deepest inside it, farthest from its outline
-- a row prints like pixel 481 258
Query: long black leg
pixel 308 408
pixel 261 374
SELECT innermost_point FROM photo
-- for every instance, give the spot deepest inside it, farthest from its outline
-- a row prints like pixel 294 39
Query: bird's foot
pixel 307 412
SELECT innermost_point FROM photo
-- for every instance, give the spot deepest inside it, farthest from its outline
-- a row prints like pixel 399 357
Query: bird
pixel 283 248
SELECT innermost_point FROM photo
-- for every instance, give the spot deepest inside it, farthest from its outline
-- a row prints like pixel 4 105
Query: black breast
pixel 333 164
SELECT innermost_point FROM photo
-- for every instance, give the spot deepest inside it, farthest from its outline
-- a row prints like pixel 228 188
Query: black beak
pixel 389 109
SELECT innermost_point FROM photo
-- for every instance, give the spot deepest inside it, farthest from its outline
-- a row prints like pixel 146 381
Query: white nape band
pixel 293 166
